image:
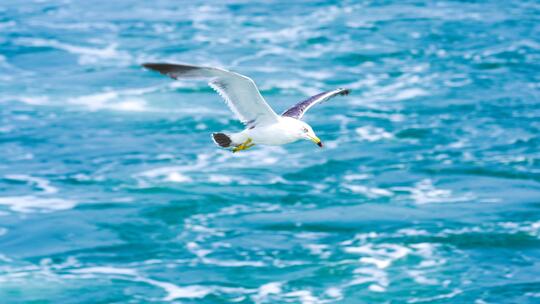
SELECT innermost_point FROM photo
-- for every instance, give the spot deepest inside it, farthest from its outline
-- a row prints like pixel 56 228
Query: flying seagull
pixel 263 125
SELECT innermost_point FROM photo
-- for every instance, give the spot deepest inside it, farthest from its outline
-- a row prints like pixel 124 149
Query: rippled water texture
pixel 111 190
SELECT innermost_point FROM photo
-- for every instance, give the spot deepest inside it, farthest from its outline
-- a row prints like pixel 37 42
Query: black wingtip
pixel 148 65
pixel 345 92
pixel 163 68
pixel 172 70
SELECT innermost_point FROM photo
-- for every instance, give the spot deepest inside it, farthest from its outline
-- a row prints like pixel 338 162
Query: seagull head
pixel 306 132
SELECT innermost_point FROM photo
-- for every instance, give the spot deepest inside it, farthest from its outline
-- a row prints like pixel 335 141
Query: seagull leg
pixel 244 146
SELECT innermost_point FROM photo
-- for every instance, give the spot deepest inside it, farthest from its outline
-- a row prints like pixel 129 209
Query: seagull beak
pixel 316 140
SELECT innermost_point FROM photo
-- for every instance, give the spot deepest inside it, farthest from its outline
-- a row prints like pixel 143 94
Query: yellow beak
pixel 316 140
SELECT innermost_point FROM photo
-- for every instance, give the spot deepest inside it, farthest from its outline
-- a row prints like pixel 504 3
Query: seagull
pixel 263 125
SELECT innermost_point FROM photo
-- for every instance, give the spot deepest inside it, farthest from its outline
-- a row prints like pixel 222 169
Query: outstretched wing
pixel 298 110
pixel 239 92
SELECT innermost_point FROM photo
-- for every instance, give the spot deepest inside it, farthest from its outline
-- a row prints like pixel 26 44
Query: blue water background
pixel 111 190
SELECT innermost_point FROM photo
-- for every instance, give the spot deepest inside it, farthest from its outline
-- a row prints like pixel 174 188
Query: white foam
pixel 425 192
pixel 28 204
pixel 106 270
pixel 435 298
pixel 369 275
pixel 94 101
pixel 370 133
pixel 310 235
pixel 402 88
pixel 319 249
pixel 172 291
pixel 531 228
pixel 272 288
pixel 409 93
pixel 388 116
pixel 220 179
pixel 113 100
pixel 197 250
pixel 419 277
pixel 360 24
pixel 381 256
pixel 334 292
pixel 286 34
pixel 292 85
pixel 369 192
pixel 387 250
pixel 179 292
pixel 174 174
pixel 177 177
pixel 87 55
pixel 201 126
pixel 379 263
pixel 40 183
pixel 134 105
pixel 315 74
pixel 221 162
pixel 354 177
pixel 303 296
pixel 231 263
pixel 161 172
pixel 412 232
pixel 34 100
pixel 76 26
pixel 377 288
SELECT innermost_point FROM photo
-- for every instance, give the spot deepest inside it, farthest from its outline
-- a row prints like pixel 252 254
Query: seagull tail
pixel 221 139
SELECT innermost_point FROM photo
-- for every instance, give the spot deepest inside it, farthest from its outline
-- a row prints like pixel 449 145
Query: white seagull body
pixel 263 125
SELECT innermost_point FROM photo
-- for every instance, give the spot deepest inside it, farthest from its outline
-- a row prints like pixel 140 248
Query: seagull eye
pixel 305 130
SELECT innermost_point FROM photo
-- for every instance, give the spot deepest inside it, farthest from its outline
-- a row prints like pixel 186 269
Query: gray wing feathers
pixel 297 111
pixel 239 92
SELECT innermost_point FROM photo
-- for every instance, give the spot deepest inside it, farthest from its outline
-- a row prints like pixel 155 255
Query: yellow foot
pixel 244 146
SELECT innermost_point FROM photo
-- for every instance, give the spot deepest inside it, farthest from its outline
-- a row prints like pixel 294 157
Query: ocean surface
pixel 427 191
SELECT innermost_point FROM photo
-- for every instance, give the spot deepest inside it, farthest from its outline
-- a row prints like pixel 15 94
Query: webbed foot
pixel 244 146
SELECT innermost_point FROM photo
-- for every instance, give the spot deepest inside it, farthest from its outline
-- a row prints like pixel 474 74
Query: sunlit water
pixel 111 190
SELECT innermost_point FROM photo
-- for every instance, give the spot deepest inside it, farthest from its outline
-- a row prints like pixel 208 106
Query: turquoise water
pixel 111 190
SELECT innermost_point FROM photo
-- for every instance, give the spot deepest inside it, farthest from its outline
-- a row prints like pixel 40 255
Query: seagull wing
pixel 298 110
pixel 239 92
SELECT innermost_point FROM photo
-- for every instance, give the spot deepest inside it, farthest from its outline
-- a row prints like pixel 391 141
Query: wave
pixel 424 192
pixel 87 55
pixel 129 100
pixel 436 298
pixel 172 291
pixel 370 133
pixel 110 100
pixel 369 191
pixel 30 204
pixel 208 168
pixel 78 26
pixel 42 184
